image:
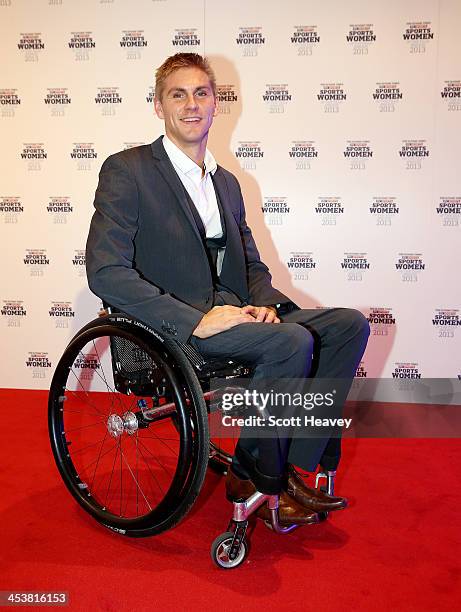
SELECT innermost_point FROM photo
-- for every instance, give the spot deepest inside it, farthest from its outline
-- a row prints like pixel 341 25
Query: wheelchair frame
pixel 134 346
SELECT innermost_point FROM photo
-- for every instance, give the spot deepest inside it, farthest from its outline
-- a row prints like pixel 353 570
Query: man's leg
pixel 276 351
pixel 340 338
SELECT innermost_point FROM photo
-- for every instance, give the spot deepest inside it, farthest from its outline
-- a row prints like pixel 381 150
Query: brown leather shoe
pixel 290 512
pixel 309 498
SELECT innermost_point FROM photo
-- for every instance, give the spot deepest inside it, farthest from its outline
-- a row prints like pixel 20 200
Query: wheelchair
pixel 128 418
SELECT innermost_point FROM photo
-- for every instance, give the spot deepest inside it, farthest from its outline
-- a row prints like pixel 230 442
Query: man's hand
pixel 262 314
pixel 220 318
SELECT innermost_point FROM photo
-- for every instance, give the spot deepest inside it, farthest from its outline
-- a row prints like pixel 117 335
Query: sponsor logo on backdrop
pixel 304 38
pixel 302 151
pixel 409 265
pixel 57 99
pixel 59 209
pixel 79 262
pixel 300 263
pixel 9 100
pixel 449 209
pixel 360 36
pixel 248 153
pixel 357 151
pixel 276 97
pixel 108 98
pixel 87 364
pixel 227 98
pixel 36 260
pixel 106 1
pixel 413 151
pixel 130 145
pixel 275 210
pixel 417 34
pixel 81 43
pixel 11 208
pixel 55 2
pixel 186 38
pixel 250 40
pixel 61 312
pixel 383 209
pixel 446 321
pixel 133 41
pixel 332 95
pixel 451 92
pixel 381 320
pixel 329 209
pixel 38 363
pixel 406 370
pixel 83 153
pixel 5 2
pixel 150 95
pixel 361 372
pixel 387 95
pixel 31 44
pixel 355 264
pixel 34 153
pixel 13 311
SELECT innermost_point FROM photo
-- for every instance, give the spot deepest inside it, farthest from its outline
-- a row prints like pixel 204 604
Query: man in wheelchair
pixel 169 245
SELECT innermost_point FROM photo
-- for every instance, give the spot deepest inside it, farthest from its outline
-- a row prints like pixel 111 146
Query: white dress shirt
pixel 200 189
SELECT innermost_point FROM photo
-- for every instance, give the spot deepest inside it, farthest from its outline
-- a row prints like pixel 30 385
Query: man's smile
pixel 191 119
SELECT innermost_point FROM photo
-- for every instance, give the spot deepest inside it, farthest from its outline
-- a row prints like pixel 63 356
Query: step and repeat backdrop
pixel 342 121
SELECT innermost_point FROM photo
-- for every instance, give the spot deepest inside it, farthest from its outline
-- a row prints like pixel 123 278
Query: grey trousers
pixel 321 343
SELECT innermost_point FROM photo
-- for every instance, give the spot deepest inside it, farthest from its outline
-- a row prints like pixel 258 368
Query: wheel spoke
pixel 135 479
pixel 153 456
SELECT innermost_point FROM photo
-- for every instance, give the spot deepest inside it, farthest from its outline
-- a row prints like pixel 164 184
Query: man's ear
pixel 216 107
pixel 158 108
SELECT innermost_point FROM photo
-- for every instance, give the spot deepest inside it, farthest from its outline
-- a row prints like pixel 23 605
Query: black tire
pixel 219 550
pixel 158 465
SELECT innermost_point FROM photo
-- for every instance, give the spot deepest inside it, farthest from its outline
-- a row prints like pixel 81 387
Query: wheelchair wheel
pixel 128 427
pixel 220 551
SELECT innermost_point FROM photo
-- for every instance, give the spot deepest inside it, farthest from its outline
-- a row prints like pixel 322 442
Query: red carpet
pixel 396 547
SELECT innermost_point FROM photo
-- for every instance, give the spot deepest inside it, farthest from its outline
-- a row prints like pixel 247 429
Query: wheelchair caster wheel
pixel 220 550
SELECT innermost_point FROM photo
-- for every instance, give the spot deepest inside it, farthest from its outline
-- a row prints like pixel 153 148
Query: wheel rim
pixel 222 554
pixel 125 474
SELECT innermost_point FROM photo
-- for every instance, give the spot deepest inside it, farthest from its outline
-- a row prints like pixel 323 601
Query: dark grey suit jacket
pixel 145 255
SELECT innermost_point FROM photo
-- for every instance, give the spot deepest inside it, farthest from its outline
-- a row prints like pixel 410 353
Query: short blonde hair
pixel 182 60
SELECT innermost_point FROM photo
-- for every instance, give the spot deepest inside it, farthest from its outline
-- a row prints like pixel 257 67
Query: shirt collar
pixel 185 163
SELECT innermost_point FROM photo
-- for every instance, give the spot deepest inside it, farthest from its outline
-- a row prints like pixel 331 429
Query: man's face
pixel 187 106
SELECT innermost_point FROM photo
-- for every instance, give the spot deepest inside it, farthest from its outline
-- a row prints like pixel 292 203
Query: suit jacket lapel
pixel 233 272
pixel 168 172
